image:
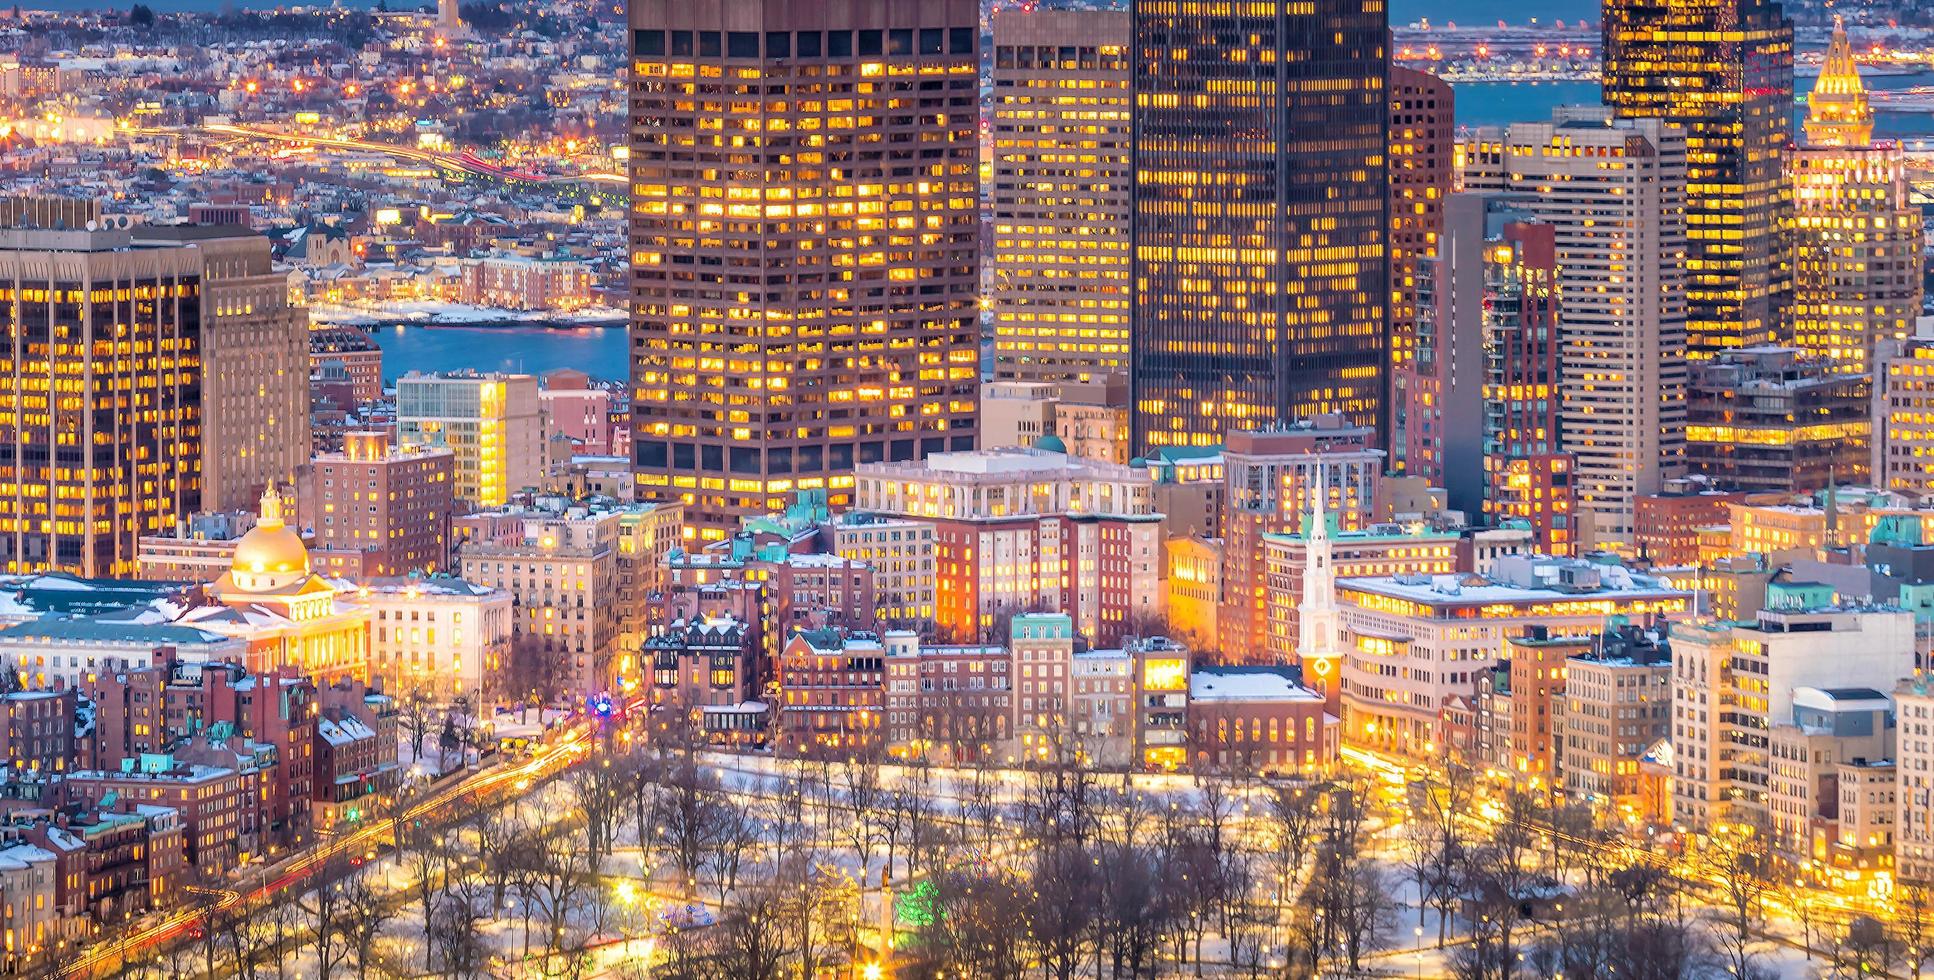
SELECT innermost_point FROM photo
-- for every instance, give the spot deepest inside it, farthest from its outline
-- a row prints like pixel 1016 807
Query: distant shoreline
pixel 458 316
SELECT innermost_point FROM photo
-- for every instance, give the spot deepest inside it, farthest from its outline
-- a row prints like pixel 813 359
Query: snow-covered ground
pixel 435 312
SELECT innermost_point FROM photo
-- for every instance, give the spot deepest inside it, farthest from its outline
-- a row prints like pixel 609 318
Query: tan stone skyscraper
pixel 1856 238
pixel 1061 129
pixel 255 359
pixel 805 244
pixel 1613 192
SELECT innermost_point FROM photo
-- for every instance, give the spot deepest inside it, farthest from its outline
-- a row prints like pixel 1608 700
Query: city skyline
pixel 909 488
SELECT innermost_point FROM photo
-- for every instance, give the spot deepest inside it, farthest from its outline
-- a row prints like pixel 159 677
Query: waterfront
pixel 597 351
pixel 1501 102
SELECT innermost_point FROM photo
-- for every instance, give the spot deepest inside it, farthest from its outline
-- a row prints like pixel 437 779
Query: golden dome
pixel 271 554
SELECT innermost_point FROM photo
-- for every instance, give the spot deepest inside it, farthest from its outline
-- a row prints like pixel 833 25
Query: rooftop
pixel 995 465
pixel 1213 684
pixel 1519 579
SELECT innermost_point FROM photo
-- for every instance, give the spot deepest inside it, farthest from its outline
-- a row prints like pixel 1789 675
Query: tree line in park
pixel 1055 872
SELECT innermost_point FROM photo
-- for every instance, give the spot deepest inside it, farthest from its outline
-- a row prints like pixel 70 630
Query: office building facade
pixel 805 245
pixel 101 418
pixel 1722 71
pixel 1261 216
pixel 1613 193
pixel 1060 134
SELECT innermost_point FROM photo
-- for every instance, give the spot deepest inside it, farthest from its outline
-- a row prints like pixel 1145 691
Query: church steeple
pixel 1837 110
pixel 1319 623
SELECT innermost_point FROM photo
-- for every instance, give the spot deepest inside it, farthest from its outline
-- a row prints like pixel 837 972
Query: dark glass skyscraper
pixel 1722 70
pixel 1260 215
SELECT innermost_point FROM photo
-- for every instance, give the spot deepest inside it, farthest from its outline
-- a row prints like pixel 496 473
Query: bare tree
pixel 1133 912
pixel 599 791
pixel 1913 904
pixel 1735 858
pixel 1061 915
pixel 971 926
pixel 1866 949
pixel 1803 901
pixel 751 939
pixel 329 916
pixel 456 931
pixel 1292 810
pixel 500 835
pixel 427 858
pixel 735 831
pixel 365 925
pixel 413 715
pixel 557 871
pixel 865 799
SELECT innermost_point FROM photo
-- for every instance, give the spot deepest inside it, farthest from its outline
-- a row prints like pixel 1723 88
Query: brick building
pixel 393 504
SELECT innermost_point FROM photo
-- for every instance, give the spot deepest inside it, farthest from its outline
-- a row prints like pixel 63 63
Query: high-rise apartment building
pixel 255 363
pixel 1488 341
pixel 1856 237
pixel 1060 132
pixel 1613 192
pixel 805 244
pixel 1491 316
pixel 1261 220
pixel 101 415
pixel 494 423
pixel 1722 71
pixel 1422 168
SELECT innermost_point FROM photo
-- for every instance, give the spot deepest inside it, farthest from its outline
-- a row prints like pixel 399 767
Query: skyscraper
pixel 1856 237
pixel 101 414
pixel 255 364
pixel 805 244
pixel 1488 322
pixel 1060 135
pixel 1613 192
pixel 1260 215
pixel 1722 70
pixel 1422 150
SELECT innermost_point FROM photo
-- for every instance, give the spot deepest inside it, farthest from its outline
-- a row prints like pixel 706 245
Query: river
pixel 597 351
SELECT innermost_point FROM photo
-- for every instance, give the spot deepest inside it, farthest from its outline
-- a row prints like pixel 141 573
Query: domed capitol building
pixel 289 616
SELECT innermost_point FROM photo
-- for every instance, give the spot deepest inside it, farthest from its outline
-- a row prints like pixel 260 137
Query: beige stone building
pixel 440 637
pixel 1914 773
pixel 1412 642
pixel 1061 130
pixel 901 554
pixel 255 364
pixel 1614 191
pixel 577 573
pixel 1733 681
pixel 1903 429
pixel 1017 414
pixel 1617 704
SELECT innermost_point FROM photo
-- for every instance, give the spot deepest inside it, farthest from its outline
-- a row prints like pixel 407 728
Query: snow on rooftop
pixel 1247 684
